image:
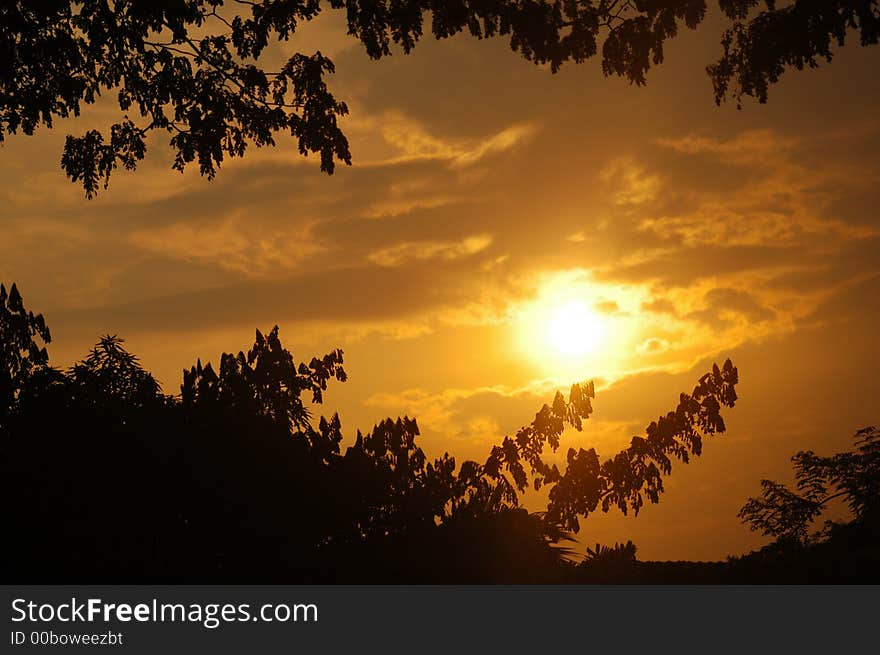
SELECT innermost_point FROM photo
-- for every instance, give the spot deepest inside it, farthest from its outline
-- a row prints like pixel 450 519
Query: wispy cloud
pixel 422 250
pixel 406 139
pixel 230 244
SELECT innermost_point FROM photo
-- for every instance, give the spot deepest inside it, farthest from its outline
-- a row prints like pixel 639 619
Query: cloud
pixel 422 250
pixel 405 139
pixel 607 306
pixel 745 148
pixel 230 244
pixel 724 305
pixel 629 183
pixel 743 239
pixel 653 346
pixel 659 306
pixel 433 236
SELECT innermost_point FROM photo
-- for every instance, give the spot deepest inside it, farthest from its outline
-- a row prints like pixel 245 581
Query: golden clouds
pixel 404 139
pixel 629 183
pixel 653 345
pixel 422 250
pixel 746 148
pixel 229 243
pixel 726 234
pixel 784 190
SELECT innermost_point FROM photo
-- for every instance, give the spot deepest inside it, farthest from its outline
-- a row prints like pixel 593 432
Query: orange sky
pixel 485 194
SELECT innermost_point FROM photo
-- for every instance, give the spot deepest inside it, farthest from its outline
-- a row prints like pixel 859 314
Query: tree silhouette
pixel 624 481
pixel 237 480
pixel 192 68
pixel 760 46
pixel 111 373
pixel 23 336
pixel 853 476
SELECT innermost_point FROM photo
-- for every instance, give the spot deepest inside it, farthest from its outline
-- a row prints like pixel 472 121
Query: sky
pixel 504 232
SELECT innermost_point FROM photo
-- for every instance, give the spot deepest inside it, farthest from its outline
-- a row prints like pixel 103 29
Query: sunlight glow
pixel 562 332
pixel 574 329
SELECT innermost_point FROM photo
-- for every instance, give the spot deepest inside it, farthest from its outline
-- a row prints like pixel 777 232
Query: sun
pixel 574 329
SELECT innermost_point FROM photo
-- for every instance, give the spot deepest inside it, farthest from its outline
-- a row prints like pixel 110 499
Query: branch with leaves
pixel 193 68
pixel 23 339
pixel 854 476
pixel 625 480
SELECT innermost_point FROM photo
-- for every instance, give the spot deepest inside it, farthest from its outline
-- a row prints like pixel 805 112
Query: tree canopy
pixel 192 68
pixel 23 339
pixel 235 478
pixel 853 476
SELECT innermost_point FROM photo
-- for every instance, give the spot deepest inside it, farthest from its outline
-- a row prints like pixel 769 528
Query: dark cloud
pixel 341 294
pixel 724 304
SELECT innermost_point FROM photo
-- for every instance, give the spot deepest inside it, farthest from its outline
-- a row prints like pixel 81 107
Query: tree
pixel 191 67
pixel 111 374
pixel 629 478
pixel 235 479
pixel 853 476
pixel 23 336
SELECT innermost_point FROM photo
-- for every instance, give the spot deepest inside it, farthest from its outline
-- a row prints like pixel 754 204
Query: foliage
pixel 616 554
pixel 853 476
pixel 191 67
pixel 111 373
pixel 267 382
pixel 758 50
pixel 235 479
pixel 23 336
